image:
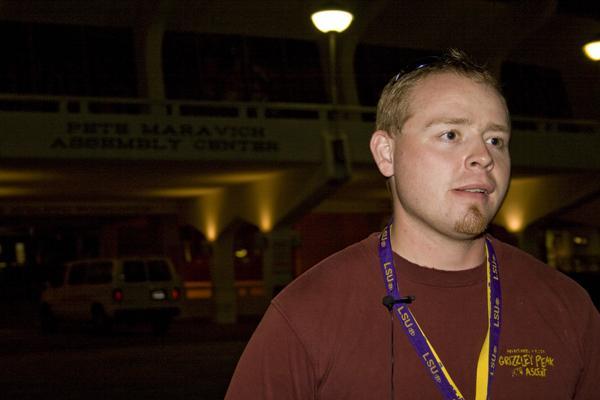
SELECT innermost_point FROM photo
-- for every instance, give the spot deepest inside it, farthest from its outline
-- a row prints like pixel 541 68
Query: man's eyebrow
pixel 466 121
pixel 497 128
pixel 449 121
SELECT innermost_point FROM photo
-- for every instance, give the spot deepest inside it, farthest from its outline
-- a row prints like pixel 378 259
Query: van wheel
pixel 47 320
pixel 100 321
pixel 161 325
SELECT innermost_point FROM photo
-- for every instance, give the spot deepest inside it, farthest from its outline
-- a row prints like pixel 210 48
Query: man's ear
pixel 382 148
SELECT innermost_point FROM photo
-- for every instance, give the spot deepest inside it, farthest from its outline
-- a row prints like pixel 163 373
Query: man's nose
pixel 479 156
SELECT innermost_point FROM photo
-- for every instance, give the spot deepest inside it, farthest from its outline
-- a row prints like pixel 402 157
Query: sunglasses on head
pixel 416 65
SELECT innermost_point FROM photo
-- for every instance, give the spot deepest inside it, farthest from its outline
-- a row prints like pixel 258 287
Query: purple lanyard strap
pixel 431 361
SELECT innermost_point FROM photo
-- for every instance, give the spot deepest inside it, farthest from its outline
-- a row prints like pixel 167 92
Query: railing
pixel 286 111
pixel 189 108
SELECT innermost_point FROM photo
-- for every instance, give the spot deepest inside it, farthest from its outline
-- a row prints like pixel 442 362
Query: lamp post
pixel 332 21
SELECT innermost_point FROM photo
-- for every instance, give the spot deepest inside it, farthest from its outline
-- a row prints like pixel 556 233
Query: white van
pixel 103 291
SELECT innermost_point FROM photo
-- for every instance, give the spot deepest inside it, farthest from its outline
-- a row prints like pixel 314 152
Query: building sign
pixel 164 137
pixel 133 137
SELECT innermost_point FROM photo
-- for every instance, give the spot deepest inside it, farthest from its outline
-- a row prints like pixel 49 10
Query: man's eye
pixel 496 142
pixel 450 135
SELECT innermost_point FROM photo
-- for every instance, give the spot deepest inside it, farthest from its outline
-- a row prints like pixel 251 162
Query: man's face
pixel 450 162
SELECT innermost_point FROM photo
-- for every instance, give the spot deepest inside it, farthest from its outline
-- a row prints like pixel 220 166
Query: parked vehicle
pixel 113 290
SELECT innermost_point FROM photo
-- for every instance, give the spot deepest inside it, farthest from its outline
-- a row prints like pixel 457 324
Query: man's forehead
pixel 449 80
pixel 449 86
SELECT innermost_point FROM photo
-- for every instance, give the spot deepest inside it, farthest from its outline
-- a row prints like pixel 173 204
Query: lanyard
pixel 489 351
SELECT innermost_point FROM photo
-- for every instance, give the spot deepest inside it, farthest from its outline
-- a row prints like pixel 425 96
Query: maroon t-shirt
pixel 327 335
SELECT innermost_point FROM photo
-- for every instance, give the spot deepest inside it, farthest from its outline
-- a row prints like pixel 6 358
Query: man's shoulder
pixel 320 300
pixel 328 285
pixel 334 273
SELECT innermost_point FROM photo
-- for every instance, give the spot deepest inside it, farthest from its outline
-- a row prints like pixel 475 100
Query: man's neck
pixel 435 250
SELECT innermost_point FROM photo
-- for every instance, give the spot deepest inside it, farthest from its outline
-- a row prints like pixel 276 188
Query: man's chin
pixel 472 224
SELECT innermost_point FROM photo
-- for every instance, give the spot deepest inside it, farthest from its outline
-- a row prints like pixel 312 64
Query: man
pixel 487 320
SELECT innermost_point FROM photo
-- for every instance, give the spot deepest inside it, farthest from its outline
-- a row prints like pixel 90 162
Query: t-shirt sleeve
pixel 274 365
pixel 587 387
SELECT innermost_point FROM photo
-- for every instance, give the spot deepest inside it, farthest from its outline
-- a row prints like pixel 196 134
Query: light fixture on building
pixel 592 49
pixel 332 20
pixel 241 253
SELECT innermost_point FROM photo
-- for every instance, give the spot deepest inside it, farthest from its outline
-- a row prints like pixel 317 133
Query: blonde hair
pixel 393 105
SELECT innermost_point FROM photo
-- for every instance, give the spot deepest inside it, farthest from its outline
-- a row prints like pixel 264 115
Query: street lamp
pixel 592 49
pixel 332 21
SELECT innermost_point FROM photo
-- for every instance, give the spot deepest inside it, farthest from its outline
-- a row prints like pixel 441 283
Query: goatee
pixel 472 223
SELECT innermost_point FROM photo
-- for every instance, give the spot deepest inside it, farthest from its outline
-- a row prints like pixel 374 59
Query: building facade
pixel 204 131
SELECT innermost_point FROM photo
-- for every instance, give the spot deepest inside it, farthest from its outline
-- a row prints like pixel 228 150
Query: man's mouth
pixel 475 190
pixel 478 188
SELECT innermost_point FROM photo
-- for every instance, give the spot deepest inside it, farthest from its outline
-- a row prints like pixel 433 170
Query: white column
pixel 223 278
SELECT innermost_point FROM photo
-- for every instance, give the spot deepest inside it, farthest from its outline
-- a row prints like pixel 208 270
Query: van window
pixel 134 271
pixel 99 272
pixel 77 274
pixel 158 270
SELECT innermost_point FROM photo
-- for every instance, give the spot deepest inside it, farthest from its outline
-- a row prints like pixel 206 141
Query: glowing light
pixel 260 208
pixel 592 50
pixel 250 288
pixel 580 240
pixel 211 231
pixel 332 20
pixel 266 221
pixel 20 254
pixel 204 212
pixel 514 222
pixel 241 253
pixel 195 294
pixel 198 289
